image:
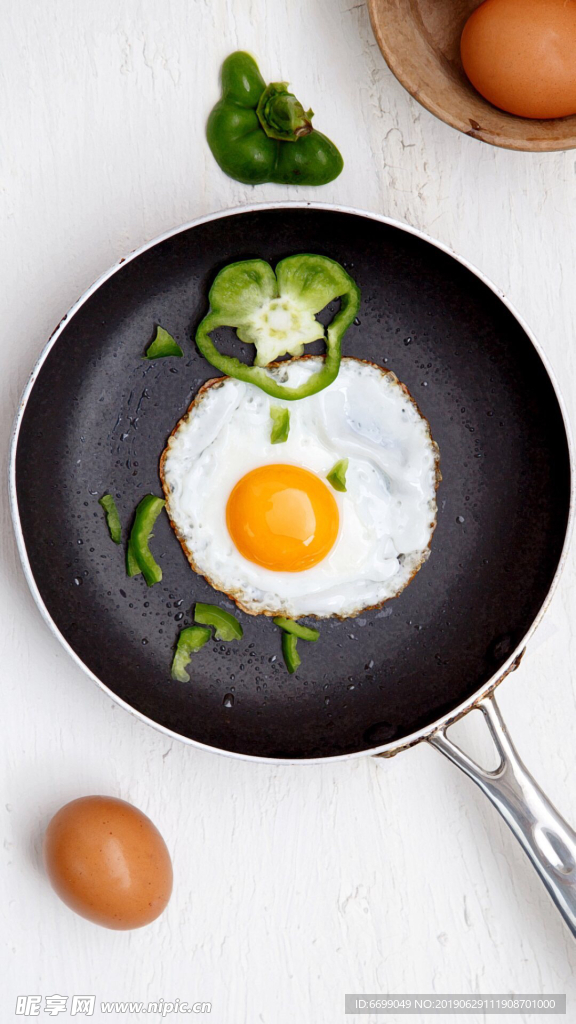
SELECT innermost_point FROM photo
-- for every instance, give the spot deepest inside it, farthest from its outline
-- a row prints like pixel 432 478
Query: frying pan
pixel 95 417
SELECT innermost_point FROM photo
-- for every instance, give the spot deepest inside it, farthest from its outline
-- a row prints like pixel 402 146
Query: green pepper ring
pixel 349 296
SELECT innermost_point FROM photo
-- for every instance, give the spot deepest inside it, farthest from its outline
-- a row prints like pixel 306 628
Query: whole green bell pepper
pixel 258 133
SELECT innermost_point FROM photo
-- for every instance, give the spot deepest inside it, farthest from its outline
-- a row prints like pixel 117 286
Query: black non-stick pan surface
pixel 97 420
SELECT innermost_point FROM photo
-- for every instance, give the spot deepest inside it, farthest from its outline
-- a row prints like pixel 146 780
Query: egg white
pixel 387 513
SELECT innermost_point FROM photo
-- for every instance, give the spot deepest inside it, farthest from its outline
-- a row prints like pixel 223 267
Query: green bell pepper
pixel 258 133
pixel 276 313
pixel 289 649
pixel 139 558
pixel 132 567
pixel 190 640
pixel 112 518
pixel 291 632
pixel 337 475
pixel 280 417
pixel 163 345
pixel 226 626
pixel 291 626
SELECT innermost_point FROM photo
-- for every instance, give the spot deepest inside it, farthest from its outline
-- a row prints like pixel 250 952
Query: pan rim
pixel 386 749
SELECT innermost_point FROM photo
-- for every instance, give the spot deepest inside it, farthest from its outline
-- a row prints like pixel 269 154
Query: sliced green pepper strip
pixel 289 650
pixel 226 625
pixel 112 518
pixel 276 313
pixel 280 424
pixel 139 553
pixel 163 345
pixel 132 567
pixel 337 475
pixel 259 133
pixel 290 626
pixel 190 640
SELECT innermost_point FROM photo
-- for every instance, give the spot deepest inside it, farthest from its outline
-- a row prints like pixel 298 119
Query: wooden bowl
pixel 420 41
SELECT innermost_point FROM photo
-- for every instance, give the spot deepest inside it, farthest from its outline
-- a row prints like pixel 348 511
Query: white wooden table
pixel 293 885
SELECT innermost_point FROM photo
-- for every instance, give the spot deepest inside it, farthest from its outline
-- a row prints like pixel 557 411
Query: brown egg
pixel 521 55
pixel 108 862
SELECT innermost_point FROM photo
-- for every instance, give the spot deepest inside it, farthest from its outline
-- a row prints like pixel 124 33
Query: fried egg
pixel 261 521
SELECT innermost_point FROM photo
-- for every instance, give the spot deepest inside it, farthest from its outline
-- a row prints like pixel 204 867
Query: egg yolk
pixel 282 517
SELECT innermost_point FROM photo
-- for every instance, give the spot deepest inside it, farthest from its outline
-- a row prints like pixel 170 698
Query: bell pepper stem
pixel 281 115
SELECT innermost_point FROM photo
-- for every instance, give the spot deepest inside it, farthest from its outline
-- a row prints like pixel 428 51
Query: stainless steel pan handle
pixel 547 839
